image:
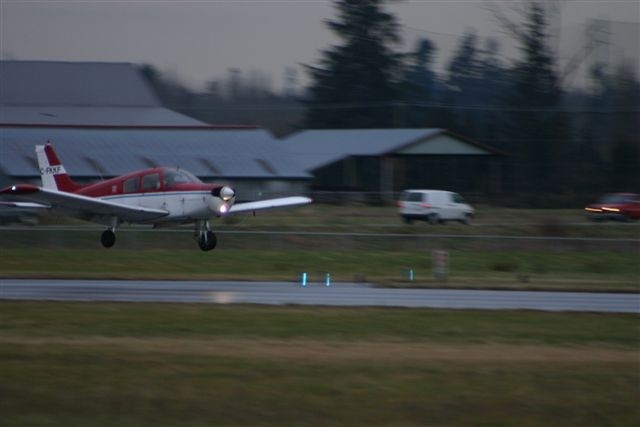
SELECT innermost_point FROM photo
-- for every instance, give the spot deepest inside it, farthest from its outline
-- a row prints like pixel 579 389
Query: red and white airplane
pixel 160 196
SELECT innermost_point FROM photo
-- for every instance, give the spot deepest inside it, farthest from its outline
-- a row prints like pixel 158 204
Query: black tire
pixel 407 219
pixel 208 241
pixel 434 218
pixel 108 238
pixel 466 220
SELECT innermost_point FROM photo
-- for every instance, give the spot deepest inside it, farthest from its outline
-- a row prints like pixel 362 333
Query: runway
pixel 337 294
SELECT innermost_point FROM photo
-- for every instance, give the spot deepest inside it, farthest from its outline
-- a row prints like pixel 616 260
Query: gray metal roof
pixel 74 83
pixel 94 116
pixel 316 148
pixel 81 93
pixel 94 152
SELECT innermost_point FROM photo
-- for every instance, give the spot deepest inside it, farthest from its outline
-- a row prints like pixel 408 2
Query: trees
pixel 420 85
pixel 536 128
pixel 361 73
pixel 623 94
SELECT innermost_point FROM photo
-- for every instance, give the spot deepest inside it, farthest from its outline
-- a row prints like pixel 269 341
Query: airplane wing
pixel 83 207
pixel 282 202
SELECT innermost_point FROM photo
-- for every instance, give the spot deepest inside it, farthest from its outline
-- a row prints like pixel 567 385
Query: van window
pixel 151 182
pixel 416 197
pixel 457 198
pixel 131 185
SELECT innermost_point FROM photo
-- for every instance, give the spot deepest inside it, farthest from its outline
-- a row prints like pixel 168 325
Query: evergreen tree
pixel 357 82
pixel 536 128
pixel 625 150
pixel 420 85
pixel 464 68
pixel 463 83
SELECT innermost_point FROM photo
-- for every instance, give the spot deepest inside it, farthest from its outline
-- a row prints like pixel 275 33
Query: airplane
pixel 161 196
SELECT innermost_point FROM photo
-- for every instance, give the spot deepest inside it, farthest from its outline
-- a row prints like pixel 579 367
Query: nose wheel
pixel 207 239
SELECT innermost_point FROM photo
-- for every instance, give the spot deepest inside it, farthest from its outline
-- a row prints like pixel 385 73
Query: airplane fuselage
pixel 160 196
pixel 156 188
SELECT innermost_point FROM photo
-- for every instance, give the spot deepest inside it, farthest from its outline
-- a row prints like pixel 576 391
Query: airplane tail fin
pixel 54 176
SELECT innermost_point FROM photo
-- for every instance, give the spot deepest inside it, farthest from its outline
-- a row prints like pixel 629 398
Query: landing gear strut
pixel 207 240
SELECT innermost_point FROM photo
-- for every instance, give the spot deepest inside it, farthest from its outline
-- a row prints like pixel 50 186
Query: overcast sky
pixel 197 41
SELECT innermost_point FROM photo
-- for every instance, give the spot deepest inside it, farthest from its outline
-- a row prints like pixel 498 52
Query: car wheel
pixel 626 218
pixel 466 219
pixel 407 220
pixel 434 218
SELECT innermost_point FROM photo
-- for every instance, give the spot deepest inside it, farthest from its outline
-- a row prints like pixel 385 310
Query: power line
pixel 426 105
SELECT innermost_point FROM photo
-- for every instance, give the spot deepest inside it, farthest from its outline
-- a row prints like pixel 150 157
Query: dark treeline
pixel 556 140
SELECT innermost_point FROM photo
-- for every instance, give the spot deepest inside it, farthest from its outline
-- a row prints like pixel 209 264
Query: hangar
pixel 389 160
pixel 105 120
pixel 81 94
pixel 247 159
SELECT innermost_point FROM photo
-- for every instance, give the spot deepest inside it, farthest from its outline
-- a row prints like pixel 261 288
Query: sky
pixel 199 41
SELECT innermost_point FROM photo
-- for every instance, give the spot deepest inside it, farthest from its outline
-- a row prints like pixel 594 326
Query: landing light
pixel 224 208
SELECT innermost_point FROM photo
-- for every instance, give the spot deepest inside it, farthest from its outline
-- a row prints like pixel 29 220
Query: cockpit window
pixel 179 176
pixel 151 182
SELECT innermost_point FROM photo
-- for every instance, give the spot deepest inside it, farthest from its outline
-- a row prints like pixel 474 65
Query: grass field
pixel 107 364
pixel 104 364
pixel 383 253
pixel 573 270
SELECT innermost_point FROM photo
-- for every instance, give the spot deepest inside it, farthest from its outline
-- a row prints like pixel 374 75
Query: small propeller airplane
pixel 160 196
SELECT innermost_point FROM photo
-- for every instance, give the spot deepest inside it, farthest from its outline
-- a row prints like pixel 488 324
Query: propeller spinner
pixel 225 193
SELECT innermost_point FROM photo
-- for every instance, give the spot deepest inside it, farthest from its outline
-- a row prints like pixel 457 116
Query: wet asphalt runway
pixel 337 294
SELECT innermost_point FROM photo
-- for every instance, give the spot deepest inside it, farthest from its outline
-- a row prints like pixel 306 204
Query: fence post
pixel 440 260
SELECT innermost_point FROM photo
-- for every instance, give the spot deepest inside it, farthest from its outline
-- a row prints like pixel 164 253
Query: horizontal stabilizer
pixel 82 207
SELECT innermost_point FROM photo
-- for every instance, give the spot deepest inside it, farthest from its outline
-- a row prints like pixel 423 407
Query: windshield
pixel 179 176
pixel 616 199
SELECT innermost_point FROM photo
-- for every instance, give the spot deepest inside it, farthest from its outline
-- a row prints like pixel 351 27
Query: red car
pixel 615 206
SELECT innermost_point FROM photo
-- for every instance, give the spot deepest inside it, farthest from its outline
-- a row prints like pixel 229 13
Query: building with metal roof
pixel 81 93
pixel 105 120
pixel 389 160
pixel 249 159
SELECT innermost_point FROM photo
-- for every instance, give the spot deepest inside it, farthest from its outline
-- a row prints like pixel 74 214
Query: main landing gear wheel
pixel 108 238
pixel 207 240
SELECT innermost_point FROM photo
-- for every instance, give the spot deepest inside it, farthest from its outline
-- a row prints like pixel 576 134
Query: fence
pixel 182 239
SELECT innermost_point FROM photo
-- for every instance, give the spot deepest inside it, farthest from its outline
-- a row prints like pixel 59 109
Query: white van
pixel 435 206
